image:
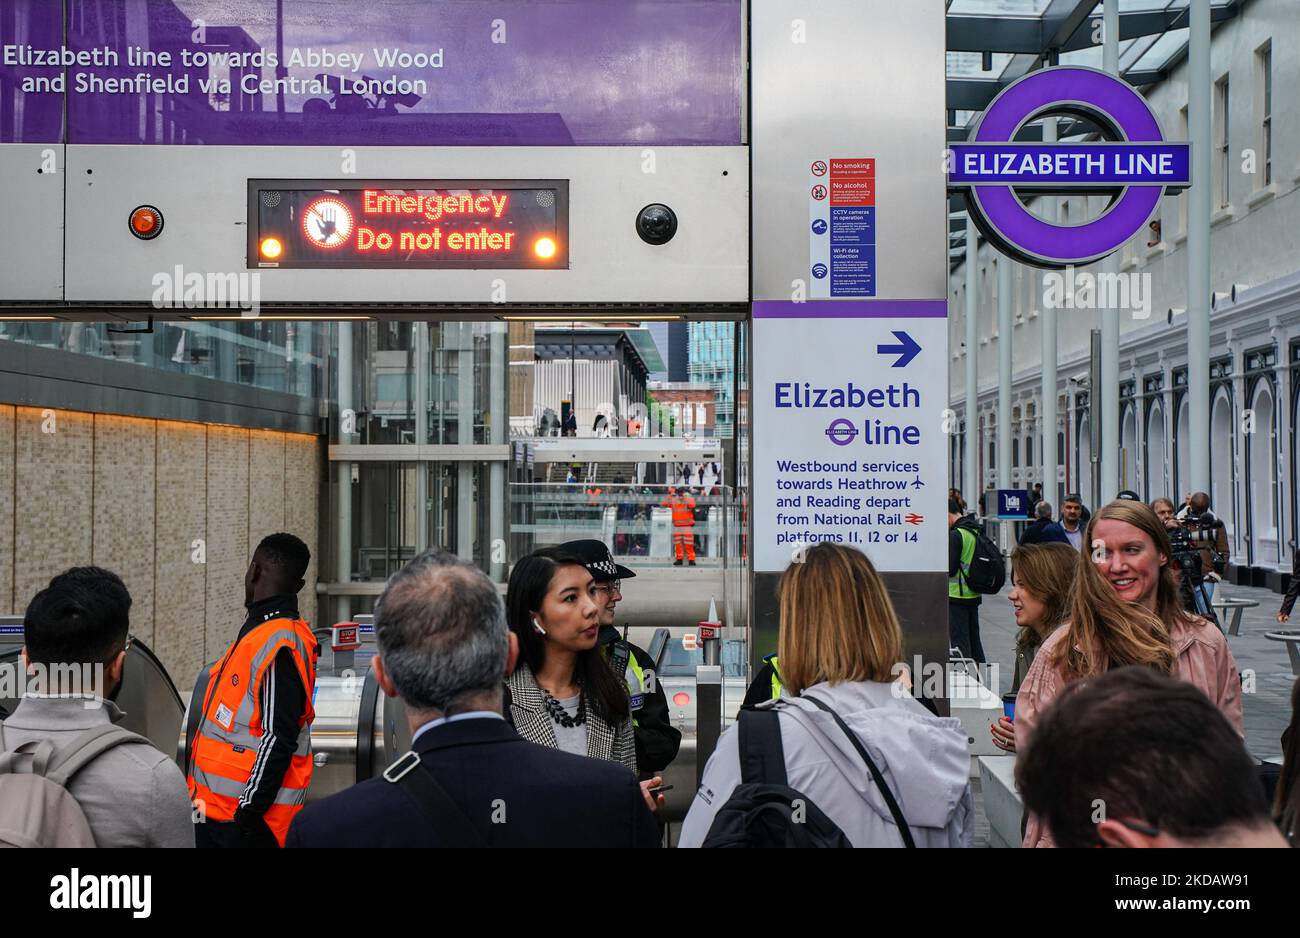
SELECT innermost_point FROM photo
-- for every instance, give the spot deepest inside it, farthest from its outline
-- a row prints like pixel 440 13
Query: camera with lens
pixel 1186 555
pixel 1196 533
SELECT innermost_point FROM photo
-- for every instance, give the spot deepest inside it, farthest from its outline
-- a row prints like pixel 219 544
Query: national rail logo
pixel 1135 165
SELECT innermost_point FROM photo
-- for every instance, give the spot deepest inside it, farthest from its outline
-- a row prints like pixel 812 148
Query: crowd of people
pixel 533 723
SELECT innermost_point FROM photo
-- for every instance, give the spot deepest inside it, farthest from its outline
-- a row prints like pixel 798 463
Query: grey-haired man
pixel 470 779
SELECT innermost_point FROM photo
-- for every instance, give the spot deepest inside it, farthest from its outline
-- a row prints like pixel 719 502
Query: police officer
pixel 766 684
pixel 657 740
pixel 250 764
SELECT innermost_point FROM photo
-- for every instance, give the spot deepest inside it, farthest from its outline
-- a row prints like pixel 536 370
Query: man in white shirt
pixel 1072 520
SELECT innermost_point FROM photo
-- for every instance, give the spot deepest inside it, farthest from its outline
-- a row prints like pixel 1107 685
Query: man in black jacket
pixel 470 779
pixel 657 740
pixel 1292 590
pixel 1044 530
pixel 271 586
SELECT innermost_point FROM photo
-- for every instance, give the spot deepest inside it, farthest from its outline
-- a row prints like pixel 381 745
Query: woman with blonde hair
pixel 1126 610
pixel 841 650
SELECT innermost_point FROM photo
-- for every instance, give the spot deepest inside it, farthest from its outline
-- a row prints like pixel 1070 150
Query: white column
pixel 1198 248
pixel 972 486
pixel 1047 336
pixel 1004 385
pixel 1107 397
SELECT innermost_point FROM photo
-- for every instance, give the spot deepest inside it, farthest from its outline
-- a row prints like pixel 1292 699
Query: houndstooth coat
pixel 527 711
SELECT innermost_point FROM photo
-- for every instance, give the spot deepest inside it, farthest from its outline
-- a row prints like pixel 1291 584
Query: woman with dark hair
pixel 563 693
pixel 1126 610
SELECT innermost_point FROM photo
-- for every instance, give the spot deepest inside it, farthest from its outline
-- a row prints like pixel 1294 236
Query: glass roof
pixel 969 65
pixel 999 7
pixel 1143 59
pixel 1149 54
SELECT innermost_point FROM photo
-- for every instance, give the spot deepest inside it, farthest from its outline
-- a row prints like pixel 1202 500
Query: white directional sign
pixel 853 447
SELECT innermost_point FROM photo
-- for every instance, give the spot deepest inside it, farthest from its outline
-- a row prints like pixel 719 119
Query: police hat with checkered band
pixel 595 556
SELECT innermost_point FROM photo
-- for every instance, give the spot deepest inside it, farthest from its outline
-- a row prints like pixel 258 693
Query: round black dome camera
pixel 656 224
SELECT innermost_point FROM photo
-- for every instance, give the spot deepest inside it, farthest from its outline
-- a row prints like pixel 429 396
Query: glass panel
pixel 971 65
pixel 273 355
pixel 1163 49
pixel 999 7
pixel 636 521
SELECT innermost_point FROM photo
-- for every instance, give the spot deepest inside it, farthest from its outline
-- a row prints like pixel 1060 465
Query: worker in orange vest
pixel 683 507
pixel 249 763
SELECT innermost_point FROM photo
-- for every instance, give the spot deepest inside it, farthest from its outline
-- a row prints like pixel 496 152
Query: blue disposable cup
pixel 1009 706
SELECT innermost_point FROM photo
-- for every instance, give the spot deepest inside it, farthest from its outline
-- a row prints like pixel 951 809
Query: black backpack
pixel 764 811
pixel 986 572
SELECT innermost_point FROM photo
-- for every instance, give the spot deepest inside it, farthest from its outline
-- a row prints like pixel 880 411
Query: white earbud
pixel 538 626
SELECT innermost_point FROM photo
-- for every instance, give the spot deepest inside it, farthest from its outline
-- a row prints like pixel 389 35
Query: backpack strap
pixel 894 809
pixel 41 750
pixel 762 757
pixel 447 818
pixel 70 759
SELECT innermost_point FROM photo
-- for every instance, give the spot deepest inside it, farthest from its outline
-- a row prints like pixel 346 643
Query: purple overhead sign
pixel 1140 164
pixel 1071 166
pixel 374 73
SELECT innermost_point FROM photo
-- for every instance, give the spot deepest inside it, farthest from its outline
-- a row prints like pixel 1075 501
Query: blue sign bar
pixel 1074 165
pixel 1012 504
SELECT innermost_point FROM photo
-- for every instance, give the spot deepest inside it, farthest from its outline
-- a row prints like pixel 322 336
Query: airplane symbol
pixel 914 519
pixel 918 484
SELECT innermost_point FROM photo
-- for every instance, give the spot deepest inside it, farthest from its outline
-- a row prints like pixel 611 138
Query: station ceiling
pixel 992 43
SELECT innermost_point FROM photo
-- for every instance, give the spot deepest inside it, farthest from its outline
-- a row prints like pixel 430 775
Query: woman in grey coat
pixel 840 642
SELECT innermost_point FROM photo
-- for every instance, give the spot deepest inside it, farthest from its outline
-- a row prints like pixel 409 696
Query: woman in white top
pixel 840 642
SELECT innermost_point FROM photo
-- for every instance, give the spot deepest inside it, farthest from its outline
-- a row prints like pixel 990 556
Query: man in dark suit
pixel 470 779
pixel 1044 530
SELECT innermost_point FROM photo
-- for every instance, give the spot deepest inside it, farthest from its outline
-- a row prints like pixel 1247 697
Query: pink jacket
pixel 1204 659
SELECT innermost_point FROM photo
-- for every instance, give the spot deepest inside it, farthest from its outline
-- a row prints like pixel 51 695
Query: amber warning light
pixel 146 222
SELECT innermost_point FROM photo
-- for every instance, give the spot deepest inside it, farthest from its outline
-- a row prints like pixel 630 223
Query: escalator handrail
pixel 366 709
pixel 192 716
pixel 148 653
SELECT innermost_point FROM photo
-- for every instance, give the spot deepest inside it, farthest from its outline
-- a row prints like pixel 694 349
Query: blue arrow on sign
pixel 907 349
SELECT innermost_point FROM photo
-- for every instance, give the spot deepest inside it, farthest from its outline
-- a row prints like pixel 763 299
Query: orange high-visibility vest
pixel 683 507
pixel 225 747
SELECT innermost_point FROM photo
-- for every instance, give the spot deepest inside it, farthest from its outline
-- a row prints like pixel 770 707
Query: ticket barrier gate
pixel 357 733
pixel 147 697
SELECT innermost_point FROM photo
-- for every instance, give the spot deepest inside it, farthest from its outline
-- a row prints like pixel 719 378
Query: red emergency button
pixel 146 222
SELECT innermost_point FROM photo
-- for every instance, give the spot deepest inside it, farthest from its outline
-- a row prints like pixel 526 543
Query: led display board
pixel 439 223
